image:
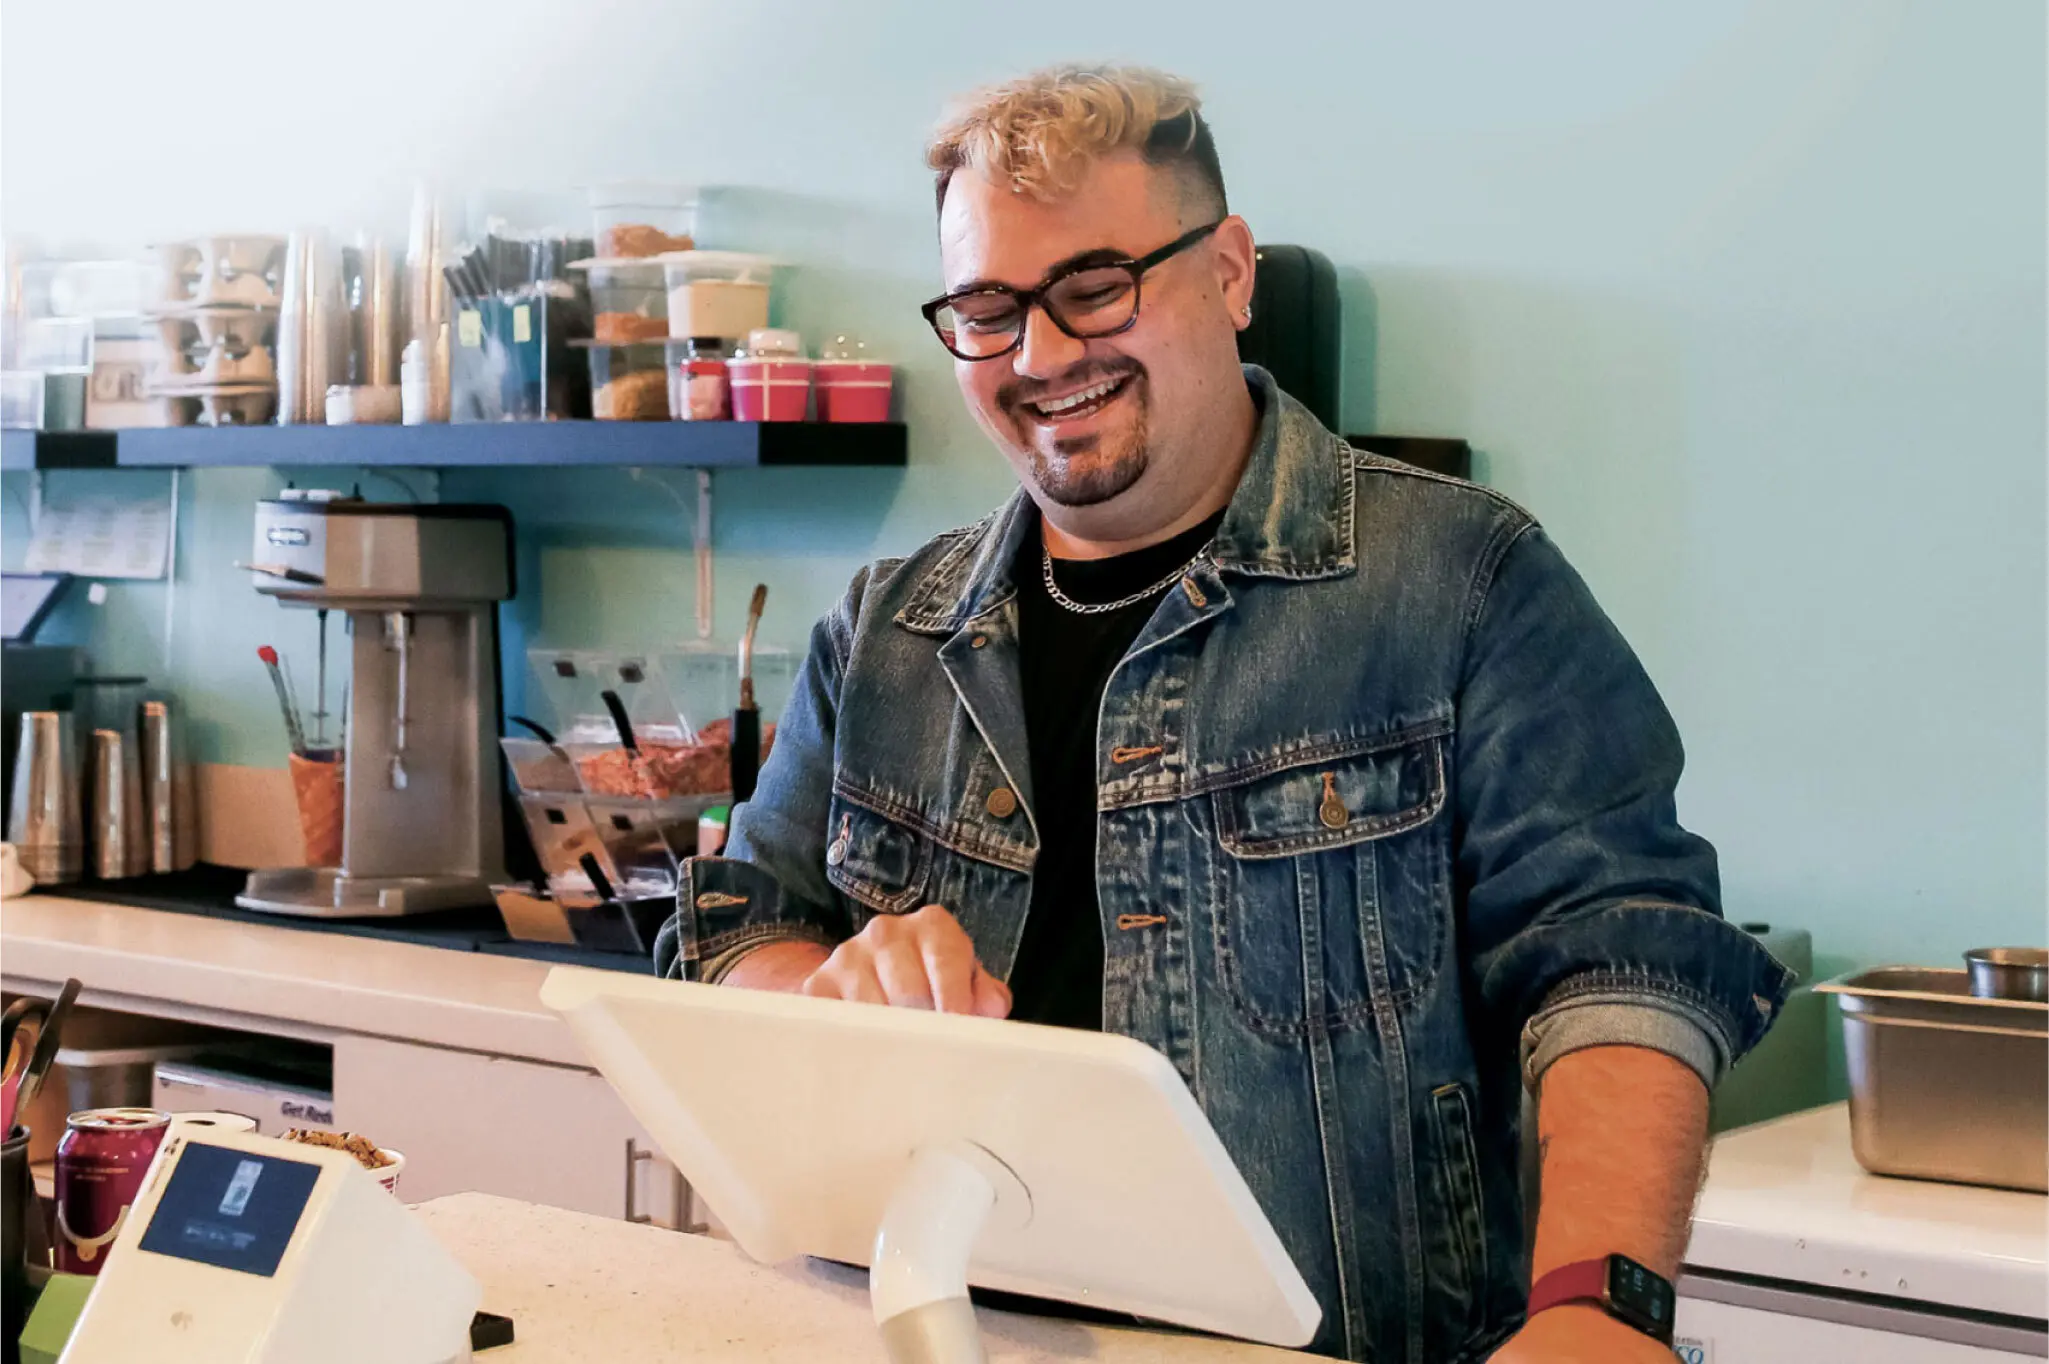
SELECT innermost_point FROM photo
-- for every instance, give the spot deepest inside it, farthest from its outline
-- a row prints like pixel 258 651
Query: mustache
pixel 1016 392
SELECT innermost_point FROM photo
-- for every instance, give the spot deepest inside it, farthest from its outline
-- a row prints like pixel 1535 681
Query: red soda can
pixel 100 1164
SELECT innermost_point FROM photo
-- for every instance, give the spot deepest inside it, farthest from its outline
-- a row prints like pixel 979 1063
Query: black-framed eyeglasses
pixel 1088 299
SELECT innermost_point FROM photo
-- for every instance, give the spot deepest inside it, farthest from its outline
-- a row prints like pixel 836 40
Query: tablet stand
pixel 918 1278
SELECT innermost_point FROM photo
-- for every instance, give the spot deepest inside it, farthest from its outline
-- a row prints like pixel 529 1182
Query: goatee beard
pixel 1071 482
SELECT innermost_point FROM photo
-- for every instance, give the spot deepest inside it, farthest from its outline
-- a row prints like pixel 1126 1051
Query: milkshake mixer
pixel 419 584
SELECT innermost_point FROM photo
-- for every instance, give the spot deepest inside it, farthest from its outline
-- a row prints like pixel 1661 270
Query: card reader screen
pixel 230 1208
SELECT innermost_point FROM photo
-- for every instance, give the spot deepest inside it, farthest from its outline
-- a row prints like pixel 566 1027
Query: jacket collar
pixel 1290 518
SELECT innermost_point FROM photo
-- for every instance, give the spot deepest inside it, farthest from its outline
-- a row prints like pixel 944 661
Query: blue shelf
pixel 696 445
pixel 56 450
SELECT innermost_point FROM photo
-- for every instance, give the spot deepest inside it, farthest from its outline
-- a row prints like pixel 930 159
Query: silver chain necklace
pixel 1061 599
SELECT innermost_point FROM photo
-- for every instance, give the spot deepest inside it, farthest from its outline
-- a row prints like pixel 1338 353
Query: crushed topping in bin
pixel 640 239
pixel 665 769
pixel 362 1148
pixel 638 397
pixel 619 329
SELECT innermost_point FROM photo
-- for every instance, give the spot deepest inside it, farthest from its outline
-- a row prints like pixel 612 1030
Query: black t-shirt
pixel 1065 662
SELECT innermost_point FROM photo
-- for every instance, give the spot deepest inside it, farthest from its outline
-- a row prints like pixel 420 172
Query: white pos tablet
pixel 942 1150
pixel 248 1248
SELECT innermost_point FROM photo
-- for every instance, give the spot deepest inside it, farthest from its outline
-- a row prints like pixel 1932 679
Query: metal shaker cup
pixel 44 825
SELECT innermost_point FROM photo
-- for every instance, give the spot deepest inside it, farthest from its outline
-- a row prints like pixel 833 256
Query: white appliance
pixel 1800 1256
pixel 189 1086
pixel 253 1250
pixel 941 1150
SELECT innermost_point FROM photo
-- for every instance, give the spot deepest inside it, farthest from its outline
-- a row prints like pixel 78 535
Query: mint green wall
pixel 1745 300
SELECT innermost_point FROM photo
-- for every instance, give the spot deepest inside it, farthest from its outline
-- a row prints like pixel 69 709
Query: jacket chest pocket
pixel 879 863
pixel 1331 886
pixel 893 864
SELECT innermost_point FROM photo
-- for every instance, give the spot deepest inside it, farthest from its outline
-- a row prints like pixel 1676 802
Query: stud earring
pixel 1246 312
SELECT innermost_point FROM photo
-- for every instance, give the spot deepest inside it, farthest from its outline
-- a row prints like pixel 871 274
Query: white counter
pixel 585 1290
pixel 436 1052
pixel 1786 1200
pixel 280 980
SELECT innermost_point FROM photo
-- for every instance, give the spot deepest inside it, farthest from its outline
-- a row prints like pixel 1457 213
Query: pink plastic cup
pixel 853 391
pixel 770 388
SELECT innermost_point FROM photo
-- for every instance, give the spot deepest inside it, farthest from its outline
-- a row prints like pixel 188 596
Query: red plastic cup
pixel 770 388
pixel 853 391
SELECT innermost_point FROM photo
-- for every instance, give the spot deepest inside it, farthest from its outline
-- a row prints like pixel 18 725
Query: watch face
pixel 1639 1297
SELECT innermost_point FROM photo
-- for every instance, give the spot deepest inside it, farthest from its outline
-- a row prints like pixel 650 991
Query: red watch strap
pixel 1582 1281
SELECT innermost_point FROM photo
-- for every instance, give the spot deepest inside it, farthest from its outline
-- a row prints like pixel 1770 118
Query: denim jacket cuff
pixel 717 967
pixel 725 908
pixel 1618 1019
pixel 1672 956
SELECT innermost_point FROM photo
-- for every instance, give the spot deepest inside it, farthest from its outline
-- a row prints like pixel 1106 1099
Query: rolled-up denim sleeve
pixel 1578 885
pixel 771 884
pixel 1558 1030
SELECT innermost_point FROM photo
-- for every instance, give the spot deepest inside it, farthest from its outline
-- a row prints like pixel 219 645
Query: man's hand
pixel 919 961
pixel 1580 1333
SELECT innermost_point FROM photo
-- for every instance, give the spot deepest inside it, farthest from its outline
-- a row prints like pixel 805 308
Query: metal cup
pixel 114 705
pixel 2009 973
pixel 44 823
pixel 112 827
pixel 159 785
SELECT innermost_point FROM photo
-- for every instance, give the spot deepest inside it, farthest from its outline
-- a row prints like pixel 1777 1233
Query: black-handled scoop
pixel 746 749
pixel 619 720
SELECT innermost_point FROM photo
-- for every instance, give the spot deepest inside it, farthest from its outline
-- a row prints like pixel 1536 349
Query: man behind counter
pixel 1322 775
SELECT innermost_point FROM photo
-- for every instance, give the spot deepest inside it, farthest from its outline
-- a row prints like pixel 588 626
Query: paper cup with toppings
pixel 387 1174
pixel 382 1162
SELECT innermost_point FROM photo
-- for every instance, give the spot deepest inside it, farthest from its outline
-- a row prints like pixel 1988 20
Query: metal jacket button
pixel 1002 802
pixel 1332 812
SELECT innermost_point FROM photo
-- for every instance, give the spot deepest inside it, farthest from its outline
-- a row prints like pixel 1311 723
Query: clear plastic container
pixel 660 769
pixel 21 399
pixel 538 768
pixel 699 389
pixel 643 218
pixel 717 293
pixel 645 839
pixel 629 383
pixel 563 835
pixel 56 345
pixel 704 680
pixel 576 682
pixel 629 299
pixel 509 356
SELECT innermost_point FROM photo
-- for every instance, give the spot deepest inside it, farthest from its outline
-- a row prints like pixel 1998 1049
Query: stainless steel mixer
pixel 422 827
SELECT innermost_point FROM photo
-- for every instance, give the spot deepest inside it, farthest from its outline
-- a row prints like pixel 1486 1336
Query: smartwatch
pixel 1619 1286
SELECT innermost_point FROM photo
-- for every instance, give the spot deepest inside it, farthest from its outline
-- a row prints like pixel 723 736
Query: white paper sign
pixel 102 538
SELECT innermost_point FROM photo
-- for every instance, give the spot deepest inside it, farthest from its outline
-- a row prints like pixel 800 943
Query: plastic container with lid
pixel 699 390
pixel 771 378
pixel 717 293
pixel 643 218
pixel 629 301
pixel 703 677
pixel 577 683
pixel 563 835
pixel 853 383
pixel 628 383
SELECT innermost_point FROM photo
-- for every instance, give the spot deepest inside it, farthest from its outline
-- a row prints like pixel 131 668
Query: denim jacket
pixel 1377 784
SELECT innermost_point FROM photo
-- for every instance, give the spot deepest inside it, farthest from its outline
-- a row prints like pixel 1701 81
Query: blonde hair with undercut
pixel 1038 134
